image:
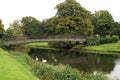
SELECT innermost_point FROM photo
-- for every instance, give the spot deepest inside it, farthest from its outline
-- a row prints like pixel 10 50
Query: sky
pixel 11 10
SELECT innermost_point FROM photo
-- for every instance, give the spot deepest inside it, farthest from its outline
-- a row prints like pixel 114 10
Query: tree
pixel 116 29
pixel 9 35
pixel 103 22
pixel 1 29
pixel 15 28
pixel 71 18
pixel 31 26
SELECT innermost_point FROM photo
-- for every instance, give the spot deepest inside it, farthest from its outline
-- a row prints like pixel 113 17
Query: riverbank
pixel 112 48
pixel 43 71
pixel 40 45
pixel 11 69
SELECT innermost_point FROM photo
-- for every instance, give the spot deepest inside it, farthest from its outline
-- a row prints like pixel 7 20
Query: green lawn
pixel 10 69
pixel 112 47
pixel 38 44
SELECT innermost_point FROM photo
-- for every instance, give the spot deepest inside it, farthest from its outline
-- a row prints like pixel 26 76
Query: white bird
pixel 43 60
pixel 36 58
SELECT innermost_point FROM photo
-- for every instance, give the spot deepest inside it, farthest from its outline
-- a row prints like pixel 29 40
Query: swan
pixel 36 58
pixel 43 60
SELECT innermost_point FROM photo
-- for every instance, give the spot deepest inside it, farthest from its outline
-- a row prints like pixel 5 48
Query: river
pixel 86 63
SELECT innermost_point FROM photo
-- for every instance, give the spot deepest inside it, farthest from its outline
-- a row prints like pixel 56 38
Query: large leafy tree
pixel 15 27
pixel 71 18
pixel 31 26
pixel 116 29
pixel 103 22
pixel 14 30
pixel 1 29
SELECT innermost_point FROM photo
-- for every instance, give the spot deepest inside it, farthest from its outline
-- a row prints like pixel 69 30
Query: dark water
pixel 110 64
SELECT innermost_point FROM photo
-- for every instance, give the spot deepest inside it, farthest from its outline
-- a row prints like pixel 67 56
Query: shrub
pixel 62 44
pixel 50 72
pixel 109 39
pixel 115 38
pixel 43 71
pixel 67 74
pixel 97 76
pixel 92 41
pixel 106 39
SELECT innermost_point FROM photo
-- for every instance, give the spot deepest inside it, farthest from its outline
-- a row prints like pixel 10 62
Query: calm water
pixel 83 62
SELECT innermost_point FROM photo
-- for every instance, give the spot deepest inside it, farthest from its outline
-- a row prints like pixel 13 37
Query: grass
pixel 38 44
pixel 10 69
pixel 108 48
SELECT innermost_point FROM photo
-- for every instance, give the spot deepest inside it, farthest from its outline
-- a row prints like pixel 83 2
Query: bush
pixel 109 39
pixel 115 38
pixel 92 41
pixel 62 45
pixel 97 76
pixel 67 74
pixel 50 72
pixel 43 71
pixel 106 39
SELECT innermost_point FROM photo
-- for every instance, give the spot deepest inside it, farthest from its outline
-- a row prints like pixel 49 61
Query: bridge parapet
pixel 48 38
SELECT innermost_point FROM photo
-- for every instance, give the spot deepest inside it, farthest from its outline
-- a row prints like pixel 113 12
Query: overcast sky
pixel 11 10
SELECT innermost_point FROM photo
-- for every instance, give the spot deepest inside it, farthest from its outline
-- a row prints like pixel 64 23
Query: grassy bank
pixel 41 45
pixel 10 69
pixel 112 48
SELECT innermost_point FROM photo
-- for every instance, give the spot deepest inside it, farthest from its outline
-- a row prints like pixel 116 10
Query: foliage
pixel 50 72
pixel 15 28
pixel 62 45
pixel 71 18
pixel 116 29
pixel 67 73
pixel 103 22
pixel 1 29
pixel 109 39
pixel 102 40
pixel 31 26
pixel 106 39
pixel 62 72
pixel 9 35
pixel 97 76
pixel 92 41
pixel 115 38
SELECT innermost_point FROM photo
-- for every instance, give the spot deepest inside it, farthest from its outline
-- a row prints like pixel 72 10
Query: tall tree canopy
pixel 116 29
pixel 30 26
pixel 71 18
pixel 15 28
pixel 1 29
pixel 103 22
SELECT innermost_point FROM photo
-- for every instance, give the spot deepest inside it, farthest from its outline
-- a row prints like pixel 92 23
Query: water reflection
pixel 83 62
pixel 115 74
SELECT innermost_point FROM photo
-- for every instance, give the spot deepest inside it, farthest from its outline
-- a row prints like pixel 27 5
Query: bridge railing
pixel 44 37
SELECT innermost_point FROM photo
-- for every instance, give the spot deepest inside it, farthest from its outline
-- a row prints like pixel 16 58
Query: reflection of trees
pixel 83 62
